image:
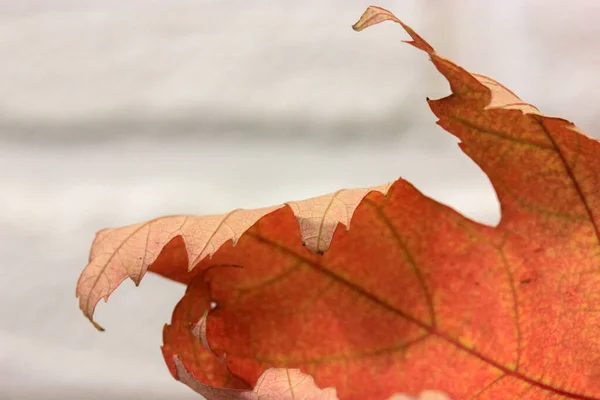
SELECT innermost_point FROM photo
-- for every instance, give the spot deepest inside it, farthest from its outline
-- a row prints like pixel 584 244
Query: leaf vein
pixel 411 261
pixel 428 328
pixel 571 174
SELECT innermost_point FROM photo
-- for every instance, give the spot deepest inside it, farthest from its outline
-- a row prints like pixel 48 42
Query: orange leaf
pixel 414 296
pixel 277 384
pixel 191 360
pixel 274 384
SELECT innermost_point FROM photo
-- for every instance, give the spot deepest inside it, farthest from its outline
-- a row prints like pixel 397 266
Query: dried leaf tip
pixel 96 325
pixel 374 15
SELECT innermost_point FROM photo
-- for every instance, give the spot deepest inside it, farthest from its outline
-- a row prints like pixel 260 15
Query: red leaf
pixel 414 296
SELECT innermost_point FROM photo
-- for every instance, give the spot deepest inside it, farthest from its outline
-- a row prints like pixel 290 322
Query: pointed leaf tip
pixel 96 325
pixel 374 15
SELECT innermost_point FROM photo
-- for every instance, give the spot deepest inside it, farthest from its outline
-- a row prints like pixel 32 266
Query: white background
pixel 113 112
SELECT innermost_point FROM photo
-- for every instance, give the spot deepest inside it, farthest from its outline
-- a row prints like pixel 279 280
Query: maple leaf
pixel 376 290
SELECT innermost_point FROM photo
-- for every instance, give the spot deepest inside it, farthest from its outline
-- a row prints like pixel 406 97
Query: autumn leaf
pixel 186 344
pixel 382 290
pixel 273 384
pixel 278 384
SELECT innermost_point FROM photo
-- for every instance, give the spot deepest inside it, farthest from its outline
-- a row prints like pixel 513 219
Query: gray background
pixel 113 112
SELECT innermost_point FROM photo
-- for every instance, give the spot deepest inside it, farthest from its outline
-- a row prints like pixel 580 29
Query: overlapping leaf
pixel 186 345
pixel 414 296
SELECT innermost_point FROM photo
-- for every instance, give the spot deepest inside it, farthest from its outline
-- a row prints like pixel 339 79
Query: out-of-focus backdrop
pixel 113 112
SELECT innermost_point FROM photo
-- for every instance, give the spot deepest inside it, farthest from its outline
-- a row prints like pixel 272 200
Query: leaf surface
pixel 409 295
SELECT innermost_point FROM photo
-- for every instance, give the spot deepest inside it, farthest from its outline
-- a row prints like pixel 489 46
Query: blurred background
pixel 113 112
